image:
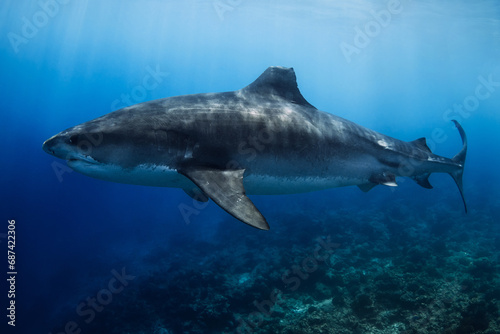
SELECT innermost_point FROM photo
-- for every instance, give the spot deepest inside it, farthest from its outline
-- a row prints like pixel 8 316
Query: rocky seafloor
pixel 319 270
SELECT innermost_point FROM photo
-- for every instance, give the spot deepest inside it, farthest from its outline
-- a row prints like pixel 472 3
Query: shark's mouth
pixel 85 159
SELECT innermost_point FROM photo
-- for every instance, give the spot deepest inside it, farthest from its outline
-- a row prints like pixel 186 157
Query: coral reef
pixel 396 270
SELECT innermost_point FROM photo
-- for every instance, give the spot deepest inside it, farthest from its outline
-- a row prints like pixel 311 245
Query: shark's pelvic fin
pixel 386 179
pixel 366 187
pixel 225 187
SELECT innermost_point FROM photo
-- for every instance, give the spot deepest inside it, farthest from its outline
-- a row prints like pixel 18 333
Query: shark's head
pixel 79 146
pixel 115 147
pixel 99 144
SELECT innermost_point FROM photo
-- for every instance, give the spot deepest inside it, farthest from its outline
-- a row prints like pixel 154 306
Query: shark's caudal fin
pixel 389 179
pixel 460 159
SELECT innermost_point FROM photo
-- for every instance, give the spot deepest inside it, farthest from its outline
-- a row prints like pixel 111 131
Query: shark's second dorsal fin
pixel 278 82
pixel 421 143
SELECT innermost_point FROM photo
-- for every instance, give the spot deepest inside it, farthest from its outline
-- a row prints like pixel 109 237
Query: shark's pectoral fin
pixel 386 179
pixel 196 194
pixel 225 187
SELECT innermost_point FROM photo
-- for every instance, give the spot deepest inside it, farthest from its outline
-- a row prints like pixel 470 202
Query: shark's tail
pixel 460 159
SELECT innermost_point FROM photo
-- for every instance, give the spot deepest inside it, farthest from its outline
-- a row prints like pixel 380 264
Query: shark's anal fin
pixel 225 187
pixel 423 180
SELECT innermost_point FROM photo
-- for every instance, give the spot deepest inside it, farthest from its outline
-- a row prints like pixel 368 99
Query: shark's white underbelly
pixel 278 185
pixel 145 175
pixel 255 184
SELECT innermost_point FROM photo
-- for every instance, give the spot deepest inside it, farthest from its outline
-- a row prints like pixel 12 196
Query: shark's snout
pixel 61 147
pixel 65 145
pixel 57 146
pixel 48 146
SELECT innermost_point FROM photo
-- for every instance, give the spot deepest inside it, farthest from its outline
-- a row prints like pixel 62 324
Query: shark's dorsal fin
pixel 421 143
pixel 278 82
pixel 225 187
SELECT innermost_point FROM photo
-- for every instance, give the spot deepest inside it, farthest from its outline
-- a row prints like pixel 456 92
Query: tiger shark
pixel 262 139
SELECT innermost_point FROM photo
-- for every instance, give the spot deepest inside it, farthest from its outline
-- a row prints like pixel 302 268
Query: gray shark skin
pixel 262 139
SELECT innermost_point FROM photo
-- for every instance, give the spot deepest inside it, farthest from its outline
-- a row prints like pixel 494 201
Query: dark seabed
pixel 424 268
pixel 100 257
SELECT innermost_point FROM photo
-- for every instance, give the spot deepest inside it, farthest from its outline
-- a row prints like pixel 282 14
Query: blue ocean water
pixel 99 257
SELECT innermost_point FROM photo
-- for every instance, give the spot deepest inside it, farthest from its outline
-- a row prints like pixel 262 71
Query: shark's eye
pixel 73 139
